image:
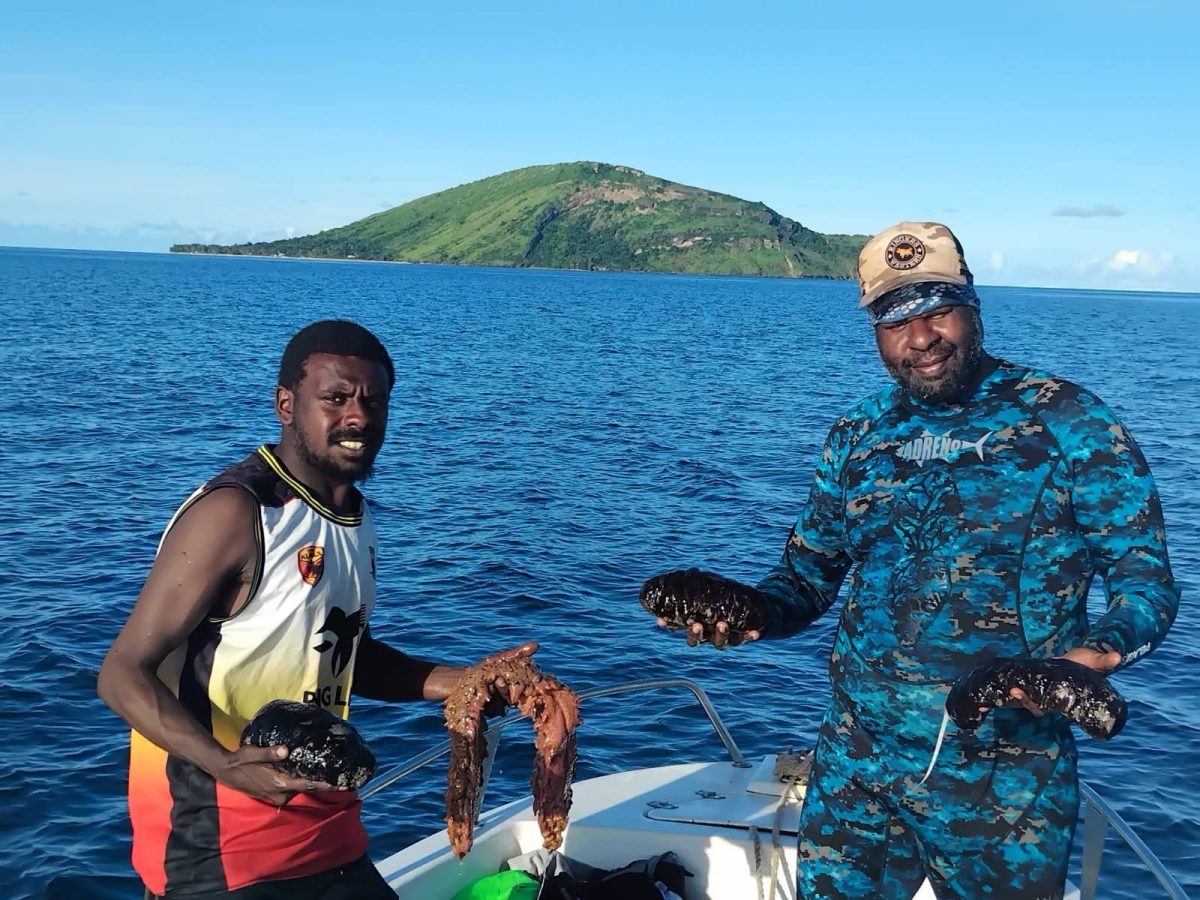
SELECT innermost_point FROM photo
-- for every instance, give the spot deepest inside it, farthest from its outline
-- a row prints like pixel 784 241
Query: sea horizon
pixel 1172 294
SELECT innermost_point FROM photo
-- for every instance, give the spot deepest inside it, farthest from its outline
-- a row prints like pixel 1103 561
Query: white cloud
pixel 996 263
pixel 1129 269
pixel 1096 211
pixel 1122 259
pixel 1140 262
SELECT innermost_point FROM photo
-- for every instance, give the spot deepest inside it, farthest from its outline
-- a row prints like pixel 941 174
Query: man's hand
pixel 1093 659
pixel 502 691
pixel 722 635
pixel 252 771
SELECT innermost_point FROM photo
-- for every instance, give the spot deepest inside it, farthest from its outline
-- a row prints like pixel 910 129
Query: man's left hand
pixel 1093 659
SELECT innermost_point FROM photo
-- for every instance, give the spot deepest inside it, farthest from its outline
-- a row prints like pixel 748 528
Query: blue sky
pixel 1059 139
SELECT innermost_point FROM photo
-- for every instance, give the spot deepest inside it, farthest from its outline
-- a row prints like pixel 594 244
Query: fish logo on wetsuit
pixel 938 446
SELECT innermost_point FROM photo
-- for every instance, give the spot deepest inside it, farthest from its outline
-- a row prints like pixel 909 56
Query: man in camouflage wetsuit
pixel 974 500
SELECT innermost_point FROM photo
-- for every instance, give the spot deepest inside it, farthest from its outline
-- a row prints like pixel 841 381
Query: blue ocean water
pixel 556 437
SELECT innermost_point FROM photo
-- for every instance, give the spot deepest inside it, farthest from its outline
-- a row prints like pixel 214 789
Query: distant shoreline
pixel 1032 287
pixel 499 266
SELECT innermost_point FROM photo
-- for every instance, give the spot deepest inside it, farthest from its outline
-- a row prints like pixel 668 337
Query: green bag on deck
pixel 511 885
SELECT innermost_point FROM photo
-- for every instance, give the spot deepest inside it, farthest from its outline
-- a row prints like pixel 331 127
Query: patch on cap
pixel 904 251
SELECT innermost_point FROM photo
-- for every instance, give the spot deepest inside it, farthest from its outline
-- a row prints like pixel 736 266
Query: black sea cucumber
pixel 687 596
pixel 1077 691
pixel 321 746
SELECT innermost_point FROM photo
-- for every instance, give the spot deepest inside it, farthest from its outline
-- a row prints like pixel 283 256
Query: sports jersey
pixel 295 638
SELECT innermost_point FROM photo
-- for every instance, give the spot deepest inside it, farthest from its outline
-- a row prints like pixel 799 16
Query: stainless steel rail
pixel 1097 816
pixel 391 776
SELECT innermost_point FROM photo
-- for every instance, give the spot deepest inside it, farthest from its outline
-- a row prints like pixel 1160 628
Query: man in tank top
pixel 974 500
pixel 262 589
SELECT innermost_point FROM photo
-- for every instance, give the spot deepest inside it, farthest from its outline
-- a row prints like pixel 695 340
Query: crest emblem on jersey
pixel 311 560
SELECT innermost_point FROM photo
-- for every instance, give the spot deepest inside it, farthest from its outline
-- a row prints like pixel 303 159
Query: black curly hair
pixel 337 336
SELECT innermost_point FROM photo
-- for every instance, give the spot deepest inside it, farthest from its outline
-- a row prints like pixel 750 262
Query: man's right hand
pixel 254 772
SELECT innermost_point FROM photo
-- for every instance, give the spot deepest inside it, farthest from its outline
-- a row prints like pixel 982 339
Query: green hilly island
pixel 582 215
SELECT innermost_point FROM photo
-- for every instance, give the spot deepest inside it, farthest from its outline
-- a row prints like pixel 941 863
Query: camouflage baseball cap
pixel 911 253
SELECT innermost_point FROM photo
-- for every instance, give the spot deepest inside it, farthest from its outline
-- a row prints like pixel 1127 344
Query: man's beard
pixel 957 378
pixel 329 467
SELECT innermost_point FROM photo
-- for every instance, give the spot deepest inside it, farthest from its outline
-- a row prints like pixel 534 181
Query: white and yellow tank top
pixel 295 638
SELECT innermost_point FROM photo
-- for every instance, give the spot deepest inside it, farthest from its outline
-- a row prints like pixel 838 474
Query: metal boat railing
pixel 1097 815
pixel 391 776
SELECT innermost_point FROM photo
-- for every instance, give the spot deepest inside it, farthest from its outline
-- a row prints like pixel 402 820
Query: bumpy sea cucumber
pixel 321 746
pixel 1077 691
pixel 686 596
pixel 554 709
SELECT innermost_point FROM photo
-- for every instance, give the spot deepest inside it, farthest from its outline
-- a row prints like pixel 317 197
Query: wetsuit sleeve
pixel 1121 520
pixel 815 561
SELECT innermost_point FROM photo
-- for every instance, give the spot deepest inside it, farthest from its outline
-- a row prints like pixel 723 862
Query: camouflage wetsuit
pixel 973 532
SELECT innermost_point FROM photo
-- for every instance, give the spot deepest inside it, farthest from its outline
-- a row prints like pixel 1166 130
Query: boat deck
pixel 714 816
pixel 731 823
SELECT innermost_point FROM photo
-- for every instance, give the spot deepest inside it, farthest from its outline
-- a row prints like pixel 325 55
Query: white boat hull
pixel 703 812
pixel 732 824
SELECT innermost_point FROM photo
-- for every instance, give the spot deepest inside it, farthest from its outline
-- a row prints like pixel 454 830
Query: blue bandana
pixel 919 299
